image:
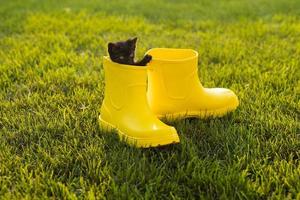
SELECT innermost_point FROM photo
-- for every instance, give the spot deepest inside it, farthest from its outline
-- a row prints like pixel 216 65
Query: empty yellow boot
pixel 175 91
pixel 125 107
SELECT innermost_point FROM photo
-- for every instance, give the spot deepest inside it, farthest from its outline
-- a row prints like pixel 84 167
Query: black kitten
pixel 123 53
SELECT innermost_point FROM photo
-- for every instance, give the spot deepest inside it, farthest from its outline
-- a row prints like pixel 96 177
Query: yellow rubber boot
pixel 125 107
pixel 175 91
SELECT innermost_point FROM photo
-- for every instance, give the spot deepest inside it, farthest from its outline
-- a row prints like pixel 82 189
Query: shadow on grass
pixel 206 139
pixel 205 147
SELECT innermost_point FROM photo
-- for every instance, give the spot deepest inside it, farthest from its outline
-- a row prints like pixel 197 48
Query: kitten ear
pixel 112 47
pixel 134 40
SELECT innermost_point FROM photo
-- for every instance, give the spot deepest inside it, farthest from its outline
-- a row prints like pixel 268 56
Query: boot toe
pixel 231 98
pixel 159 137
pixel 221 97
pixel 227 101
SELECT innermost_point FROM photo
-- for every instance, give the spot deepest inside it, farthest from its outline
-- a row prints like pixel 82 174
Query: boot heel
pixel 105 126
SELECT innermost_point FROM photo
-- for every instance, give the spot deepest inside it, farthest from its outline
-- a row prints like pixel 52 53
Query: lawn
pixel 51 89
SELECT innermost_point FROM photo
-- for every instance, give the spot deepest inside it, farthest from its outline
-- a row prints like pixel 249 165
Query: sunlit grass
pixel 51 88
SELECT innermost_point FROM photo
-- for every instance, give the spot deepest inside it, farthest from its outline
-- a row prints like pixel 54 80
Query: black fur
pixel 123 53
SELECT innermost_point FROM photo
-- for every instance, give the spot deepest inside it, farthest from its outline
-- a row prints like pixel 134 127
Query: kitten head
pixel 122 52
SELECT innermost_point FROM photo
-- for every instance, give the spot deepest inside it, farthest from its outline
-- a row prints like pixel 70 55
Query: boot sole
pixel 202 114
pixel 138 142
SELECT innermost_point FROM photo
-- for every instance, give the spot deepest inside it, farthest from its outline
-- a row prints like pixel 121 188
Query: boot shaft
pixel 125 85
pixel 171 74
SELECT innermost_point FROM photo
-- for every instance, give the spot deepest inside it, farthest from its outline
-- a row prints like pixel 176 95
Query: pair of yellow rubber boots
pixel 174 91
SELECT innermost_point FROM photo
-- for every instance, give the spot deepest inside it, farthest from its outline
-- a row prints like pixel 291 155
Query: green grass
pixel 51 88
